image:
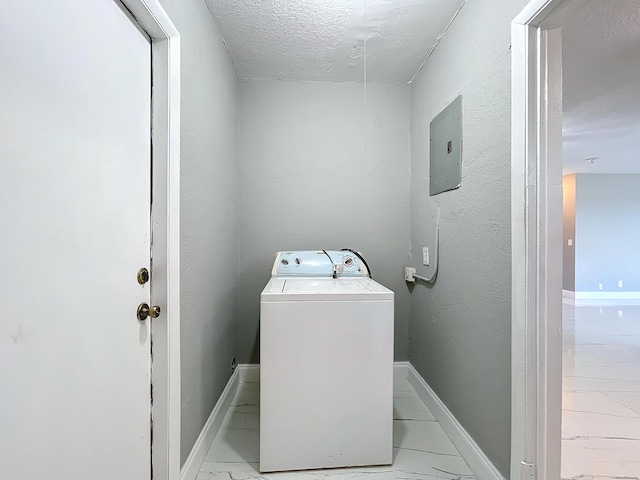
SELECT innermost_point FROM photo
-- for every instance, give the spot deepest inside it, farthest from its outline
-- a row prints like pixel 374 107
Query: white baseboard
pixel 249 372
pixel 401 370
pixel 568 294
pixel 191 467
pixel 607 295
pixel 473 455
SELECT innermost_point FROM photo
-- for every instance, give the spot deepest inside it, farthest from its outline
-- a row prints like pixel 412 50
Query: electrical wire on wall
pixel 436 261
pixel 364 88
pixel 365 53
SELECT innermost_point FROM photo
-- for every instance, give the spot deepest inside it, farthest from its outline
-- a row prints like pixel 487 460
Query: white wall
pixel 607 243
pixel 209 250
pixel 460 339
pixel 308 183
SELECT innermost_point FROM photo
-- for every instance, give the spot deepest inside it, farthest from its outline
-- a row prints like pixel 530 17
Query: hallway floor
pixel 601 392
pixel 421 448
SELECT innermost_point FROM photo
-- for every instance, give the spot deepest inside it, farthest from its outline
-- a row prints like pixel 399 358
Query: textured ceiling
pixel 601 75
pixel 323 40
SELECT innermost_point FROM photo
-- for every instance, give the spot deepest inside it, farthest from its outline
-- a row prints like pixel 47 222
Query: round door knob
pixel 145 311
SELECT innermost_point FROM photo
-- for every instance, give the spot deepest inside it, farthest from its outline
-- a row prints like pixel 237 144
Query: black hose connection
pixel 335 268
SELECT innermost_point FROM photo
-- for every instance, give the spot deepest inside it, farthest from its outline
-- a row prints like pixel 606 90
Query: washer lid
pixel 322 288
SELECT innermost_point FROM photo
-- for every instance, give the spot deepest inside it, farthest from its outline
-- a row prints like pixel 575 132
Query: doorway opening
pixel 538 241
pixel 536 222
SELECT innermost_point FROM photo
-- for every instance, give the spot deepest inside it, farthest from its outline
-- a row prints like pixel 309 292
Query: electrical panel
pixel 445 150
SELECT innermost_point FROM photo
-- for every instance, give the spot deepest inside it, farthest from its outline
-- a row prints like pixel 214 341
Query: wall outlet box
pixel 599 286
pixel 409 274
pixel 619 283
pixel 425 256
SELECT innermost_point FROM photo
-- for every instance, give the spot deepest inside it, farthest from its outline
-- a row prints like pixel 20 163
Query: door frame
pixel 536 238
pixel 165 230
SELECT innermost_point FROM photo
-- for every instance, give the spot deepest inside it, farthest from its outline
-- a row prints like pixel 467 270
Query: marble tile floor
pixel 601 391
pixel 422 451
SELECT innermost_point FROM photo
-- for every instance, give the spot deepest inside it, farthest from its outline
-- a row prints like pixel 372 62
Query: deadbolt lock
pixel 145 311
pixel 143 276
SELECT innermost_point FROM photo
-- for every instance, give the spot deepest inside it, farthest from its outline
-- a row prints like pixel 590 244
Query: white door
pixel 74 210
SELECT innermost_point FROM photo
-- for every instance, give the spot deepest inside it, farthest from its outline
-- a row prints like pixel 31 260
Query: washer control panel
pixel 319 263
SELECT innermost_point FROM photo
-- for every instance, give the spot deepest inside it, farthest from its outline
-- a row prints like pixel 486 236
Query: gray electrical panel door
pixel 445 151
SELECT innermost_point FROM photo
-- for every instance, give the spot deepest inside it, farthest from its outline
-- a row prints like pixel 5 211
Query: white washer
pixel 326 364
